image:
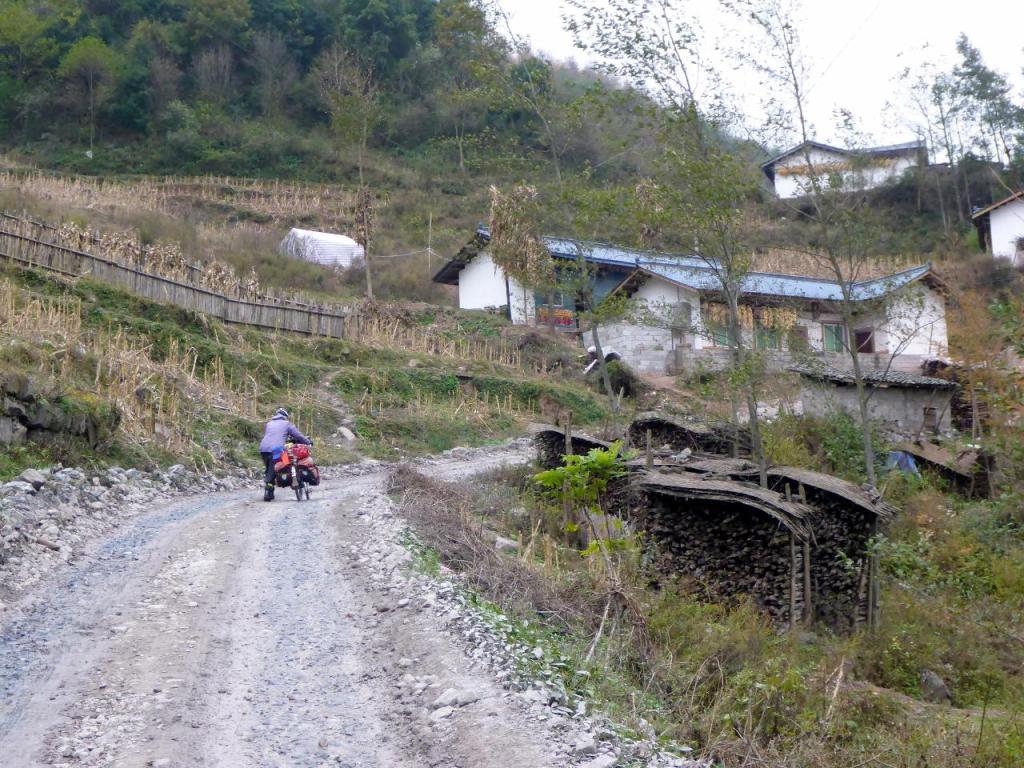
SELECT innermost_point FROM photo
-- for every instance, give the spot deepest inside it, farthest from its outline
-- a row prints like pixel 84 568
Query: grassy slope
pixel 212 385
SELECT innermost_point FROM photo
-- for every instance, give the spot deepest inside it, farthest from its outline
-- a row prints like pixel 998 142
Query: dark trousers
pixel 268 470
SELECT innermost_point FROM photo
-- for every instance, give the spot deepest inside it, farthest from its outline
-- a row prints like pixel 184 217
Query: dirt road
pixel 222 631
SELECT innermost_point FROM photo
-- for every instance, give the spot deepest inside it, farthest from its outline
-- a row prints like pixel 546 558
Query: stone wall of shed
pixel 901 409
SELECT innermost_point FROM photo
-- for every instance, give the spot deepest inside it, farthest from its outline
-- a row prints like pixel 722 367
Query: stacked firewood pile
pixel 679 435
pixel 550 444
pixel 845 517
pixel 800 548
pixel 728 539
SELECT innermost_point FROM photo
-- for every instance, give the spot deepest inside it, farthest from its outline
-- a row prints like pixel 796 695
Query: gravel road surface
pixel 218 630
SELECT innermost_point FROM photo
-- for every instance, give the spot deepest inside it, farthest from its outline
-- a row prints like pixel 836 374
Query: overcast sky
pixel 856 50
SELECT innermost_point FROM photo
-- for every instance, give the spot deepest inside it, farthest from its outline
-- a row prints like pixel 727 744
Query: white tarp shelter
pixel 325 248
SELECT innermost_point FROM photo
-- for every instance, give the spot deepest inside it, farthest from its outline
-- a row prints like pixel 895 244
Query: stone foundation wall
pixel 30 412
pixel 901 409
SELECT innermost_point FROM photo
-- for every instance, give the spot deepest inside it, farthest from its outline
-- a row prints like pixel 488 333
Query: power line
pixel 844 46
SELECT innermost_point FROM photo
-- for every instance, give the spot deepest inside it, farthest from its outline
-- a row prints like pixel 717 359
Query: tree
pixel 472 56
pixel 987 95
pixel 385 32
pixel 845 231
pixel 275 69
pixel 25 45
pixel 696 202
pixel 350 92
pixel 518 248
pixel 216 21
pixel 214 71
pixel 90 66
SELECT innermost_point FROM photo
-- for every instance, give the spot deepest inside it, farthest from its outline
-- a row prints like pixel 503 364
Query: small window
pixel 832 337
pixel 865 340
pixel 767 338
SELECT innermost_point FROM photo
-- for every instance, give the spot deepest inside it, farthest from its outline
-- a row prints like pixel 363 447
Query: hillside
pixel 153 385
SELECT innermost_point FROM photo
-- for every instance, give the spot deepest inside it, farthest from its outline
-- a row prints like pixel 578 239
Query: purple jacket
pixel 278 429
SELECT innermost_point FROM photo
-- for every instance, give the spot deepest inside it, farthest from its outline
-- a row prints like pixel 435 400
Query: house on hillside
pixel 793 320
pixel 1001 228
pixel 790 175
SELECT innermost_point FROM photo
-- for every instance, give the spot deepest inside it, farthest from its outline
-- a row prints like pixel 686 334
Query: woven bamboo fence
pixel 31 252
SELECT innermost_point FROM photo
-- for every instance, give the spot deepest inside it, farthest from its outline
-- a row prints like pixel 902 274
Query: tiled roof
pixel 699 274
pixel 874 378
pixel 888 149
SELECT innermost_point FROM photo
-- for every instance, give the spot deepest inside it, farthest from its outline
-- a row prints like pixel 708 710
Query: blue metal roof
pixel 702 277
pixel 697 273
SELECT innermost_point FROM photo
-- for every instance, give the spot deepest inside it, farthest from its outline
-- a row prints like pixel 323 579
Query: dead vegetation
pixel 714 675
pixel 446 517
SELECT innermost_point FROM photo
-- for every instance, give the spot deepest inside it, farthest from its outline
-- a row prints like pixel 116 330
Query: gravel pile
pixel 46 515
pixel 525 671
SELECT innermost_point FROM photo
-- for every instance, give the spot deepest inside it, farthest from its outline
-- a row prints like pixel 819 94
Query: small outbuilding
pixel 906 403
pixel 790 175
pixel 326 248
pixel 730 539
pixel 800 548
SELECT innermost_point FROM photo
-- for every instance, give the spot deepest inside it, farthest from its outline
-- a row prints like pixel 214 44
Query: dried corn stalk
pixel 516 244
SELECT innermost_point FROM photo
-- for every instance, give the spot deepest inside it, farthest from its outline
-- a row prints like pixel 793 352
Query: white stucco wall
pixel 482 285
pixel 872 175
pixel 915 324
pixel 1007 225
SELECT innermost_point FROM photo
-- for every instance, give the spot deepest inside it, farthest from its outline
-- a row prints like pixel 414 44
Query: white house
pixel 326 248
pixel 792 176
pixel 680 323
pixel 1001 228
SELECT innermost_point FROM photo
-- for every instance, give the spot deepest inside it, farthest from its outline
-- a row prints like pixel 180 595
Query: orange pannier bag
pixel 283 462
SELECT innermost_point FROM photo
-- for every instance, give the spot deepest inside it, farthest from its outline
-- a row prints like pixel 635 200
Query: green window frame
pixel 717 334
pixel 832 337
pixel 767 338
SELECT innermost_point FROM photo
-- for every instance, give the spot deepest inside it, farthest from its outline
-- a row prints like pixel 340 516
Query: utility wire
pixel 843 47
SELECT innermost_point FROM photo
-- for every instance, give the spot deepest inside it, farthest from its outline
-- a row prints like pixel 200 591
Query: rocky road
pixel 217 630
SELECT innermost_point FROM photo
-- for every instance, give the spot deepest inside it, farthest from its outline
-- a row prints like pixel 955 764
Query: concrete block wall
pixel 645 349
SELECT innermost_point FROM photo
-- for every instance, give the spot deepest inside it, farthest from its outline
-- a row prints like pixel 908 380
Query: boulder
pixel 12 431
pixel 34 477
pixel 43 415
pixel 505 545
pixel 15 487
pixel 20 386
pixel 934 688
pixel 347 433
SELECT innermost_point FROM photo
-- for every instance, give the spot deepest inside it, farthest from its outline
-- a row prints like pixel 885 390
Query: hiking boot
pixel 268 495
